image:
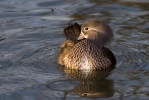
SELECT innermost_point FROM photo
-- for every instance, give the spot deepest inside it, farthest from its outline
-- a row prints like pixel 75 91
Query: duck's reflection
pixel 92 83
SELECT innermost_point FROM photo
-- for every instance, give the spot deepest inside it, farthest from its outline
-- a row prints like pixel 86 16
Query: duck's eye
pixel 86 28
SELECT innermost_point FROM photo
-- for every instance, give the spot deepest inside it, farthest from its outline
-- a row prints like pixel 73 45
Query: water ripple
pixel 32 31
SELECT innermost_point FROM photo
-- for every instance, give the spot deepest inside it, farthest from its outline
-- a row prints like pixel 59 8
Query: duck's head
pixel 96 31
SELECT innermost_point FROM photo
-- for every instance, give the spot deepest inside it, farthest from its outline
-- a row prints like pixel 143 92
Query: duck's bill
pixel 81 36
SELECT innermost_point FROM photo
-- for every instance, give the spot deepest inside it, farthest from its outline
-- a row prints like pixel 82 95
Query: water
pixel 31 32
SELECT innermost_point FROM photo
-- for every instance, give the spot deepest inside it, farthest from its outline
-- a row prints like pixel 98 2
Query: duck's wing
pixel 108 53
pixel 72 32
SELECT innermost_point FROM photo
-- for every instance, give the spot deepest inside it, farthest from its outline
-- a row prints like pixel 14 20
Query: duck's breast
pixel 86 55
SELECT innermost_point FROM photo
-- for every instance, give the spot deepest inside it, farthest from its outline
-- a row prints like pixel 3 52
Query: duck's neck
pixel 97 40
pixel 98 44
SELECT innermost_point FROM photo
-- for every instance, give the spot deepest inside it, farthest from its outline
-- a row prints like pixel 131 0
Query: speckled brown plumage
pixel 86 55
pixel 71 34
pixel 89 52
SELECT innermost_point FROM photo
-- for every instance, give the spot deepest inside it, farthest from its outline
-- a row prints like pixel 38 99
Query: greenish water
pixel 31 32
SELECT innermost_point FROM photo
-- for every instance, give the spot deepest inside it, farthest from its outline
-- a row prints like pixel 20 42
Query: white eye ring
pixel 85 28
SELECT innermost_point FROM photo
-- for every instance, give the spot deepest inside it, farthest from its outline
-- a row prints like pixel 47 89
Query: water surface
pixel 30 35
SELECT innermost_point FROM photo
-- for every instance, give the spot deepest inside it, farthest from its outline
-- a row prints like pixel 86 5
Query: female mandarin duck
pixel 84 48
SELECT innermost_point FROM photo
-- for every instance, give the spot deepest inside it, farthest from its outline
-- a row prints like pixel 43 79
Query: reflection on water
pixel 95 89
pixel 92 83
pixel 30 36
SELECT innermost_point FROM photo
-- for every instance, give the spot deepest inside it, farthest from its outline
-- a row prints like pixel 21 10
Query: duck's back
pixel 86 55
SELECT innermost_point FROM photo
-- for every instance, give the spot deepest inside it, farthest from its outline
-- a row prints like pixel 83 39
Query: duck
pixel 84 47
